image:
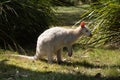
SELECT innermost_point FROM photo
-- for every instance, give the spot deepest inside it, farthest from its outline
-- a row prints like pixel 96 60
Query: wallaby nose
pixel 90 35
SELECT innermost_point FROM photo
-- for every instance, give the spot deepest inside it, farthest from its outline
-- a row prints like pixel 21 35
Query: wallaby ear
pixel 82 24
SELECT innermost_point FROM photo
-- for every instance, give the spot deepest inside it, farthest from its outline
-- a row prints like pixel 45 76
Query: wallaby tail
pixel 22 56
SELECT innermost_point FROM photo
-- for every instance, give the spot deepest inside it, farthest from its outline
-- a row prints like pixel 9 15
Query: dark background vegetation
pixel 22 21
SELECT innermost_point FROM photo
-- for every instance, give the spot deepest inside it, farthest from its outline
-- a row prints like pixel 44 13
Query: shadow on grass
pixel 84 64
pixel 12 72
pixel 89 65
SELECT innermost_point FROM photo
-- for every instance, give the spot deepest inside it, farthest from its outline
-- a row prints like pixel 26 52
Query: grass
pixel 68 16
pixel 90 64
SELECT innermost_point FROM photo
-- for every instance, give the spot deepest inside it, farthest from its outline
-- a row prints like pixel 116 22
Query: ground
pixel 89 64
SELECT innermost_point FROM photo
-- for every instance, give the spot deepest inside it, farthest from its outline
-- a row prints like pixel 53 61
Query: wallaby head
pixel 85 30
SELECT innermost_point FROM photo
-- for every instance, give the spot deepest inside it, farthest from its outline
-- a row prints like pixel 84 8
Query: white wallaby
pixel 54 39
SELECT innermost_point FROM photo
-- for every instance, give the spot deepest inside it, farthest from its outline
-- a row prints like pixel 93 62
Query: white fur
pixel 54 39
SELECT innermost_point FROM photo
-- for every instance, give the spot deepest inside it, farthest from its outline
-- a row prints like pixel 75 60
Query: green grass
pixel 68 16
pixel 90 64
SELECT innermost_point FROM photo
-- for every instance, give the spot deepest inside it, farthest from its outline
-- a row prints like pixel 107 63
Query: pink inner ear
pixel 82 24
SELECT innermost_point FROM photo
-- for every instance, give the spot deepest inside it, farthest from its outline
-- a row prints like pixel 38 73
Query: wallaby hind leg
pixel 59 60
pixel 70 52
pixel 50 58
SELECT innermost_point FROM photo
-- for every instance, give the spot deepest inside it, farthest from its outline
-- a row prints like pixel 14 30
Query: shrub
pixel 106 22
pixel 21 21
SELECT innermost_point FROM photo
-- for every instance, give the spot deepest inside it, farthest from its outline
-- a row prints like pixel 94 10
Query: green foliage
pixel 106 22
pixel 21 21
